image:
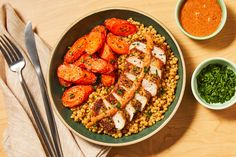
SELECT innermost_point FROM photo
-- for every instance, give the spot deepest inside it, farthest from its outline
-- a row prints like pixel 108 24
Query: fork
pixel 16 63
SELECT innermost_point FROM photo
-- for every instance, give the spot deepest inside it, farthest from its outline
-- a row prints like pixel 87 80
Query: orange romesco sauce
pixel 200 17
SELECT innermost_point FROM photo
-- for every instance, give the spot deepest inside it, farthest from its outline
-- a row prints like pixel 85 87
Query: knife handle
pixel 49 113
pixel 31 47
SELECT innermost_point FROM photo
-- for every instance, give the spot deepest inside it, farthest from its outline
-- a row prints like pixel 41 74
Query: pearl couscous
pixel 157 105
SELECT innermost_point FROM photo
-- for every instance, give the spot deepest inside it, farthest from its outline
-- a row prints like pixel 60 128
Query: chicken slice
pixel 157 52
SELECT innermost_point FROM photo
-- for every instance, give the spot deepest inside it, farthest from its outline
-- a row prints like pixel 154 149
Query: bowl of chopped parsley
pixel 213 83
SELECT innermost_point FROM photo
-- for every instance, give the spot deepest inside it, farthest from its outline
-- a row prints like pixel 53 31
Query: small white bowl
pixel 214 106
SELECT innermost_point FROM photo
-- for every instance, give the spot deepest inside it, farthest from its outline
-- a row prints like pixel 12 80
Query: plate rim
pixel 144 137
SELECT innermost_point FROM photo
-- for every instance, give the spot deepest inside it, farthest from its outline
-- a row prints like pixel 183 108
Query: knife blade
pixel 33 53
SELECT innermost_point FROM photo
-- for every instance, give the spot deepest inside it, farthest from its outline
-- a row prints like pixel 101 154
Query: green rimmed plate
pixel 81 27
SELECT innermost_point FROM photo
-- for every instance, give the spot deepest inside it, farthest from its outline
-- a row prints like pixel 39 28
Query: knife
pixel 33 53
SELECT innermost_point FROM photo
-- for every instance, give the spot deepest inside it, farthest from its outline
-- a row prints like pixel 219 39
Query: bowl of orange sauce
pixel 201 19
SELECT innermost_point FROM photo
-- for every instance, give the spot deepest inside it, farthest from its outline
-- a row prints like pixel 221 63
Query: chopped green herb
pixel 149 114
pixel 146 69
pixel 63 89
pixel 70 53
pixel 99 77
pixel 156 74
pixel 216 83
pixel 72 95
pixel 68 47
pixel 118 105
pixel 79 45
pixel 106 89
pixel 119 92
pixel 162 91
pixel 112 61
pixel 94 87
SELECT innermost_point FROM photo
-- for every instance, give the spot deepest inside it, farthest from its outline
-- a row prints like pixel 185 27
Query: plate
pixel 83 26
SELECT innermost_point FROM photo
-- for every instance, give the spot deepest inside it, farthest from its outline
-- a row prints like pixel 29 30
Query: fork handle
pixel 38 119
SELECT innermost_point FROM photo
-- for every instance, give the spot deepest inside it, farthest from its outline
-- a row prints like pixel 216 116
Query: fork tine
pixel 5 45
pixel 17 51
pixel 9 48
pixel 5 54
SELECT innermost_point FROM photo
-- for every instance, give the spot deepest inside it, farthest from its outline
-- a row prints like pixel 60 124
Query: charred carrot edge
pixel 64 83
pixel 129 95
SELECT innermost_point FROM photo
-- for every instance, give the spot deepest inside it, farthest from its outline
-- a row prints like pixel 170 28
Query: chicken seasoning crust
pixel 136 85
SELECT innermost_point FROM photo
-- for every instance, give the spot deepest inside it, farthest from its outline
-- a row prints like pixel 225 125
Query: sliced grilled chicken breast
pixel 135 61
pixel 142 99
pixel 150 87
pixel 119 120
pixel 131 110
pixel 107 104
pixel 157 52
pixel 129 101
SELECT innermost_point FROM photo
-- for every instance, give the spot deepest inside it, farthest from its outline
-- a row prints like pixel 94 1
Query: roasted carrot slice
pixel 94 64
pixel 76 95
pixel 101 29
pixel 75 74
pixel 82 61
pixel 107 54
pixel 117 44
pixel 64 82
pixel 95 39
pixel 76 50
pixel 120 26
pixel 124 29
pixel 108 79
pixel 109 23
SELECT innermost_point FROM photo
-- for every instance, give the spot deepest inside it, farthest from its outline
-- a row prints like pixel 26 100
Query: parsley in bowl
pixel 214 83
